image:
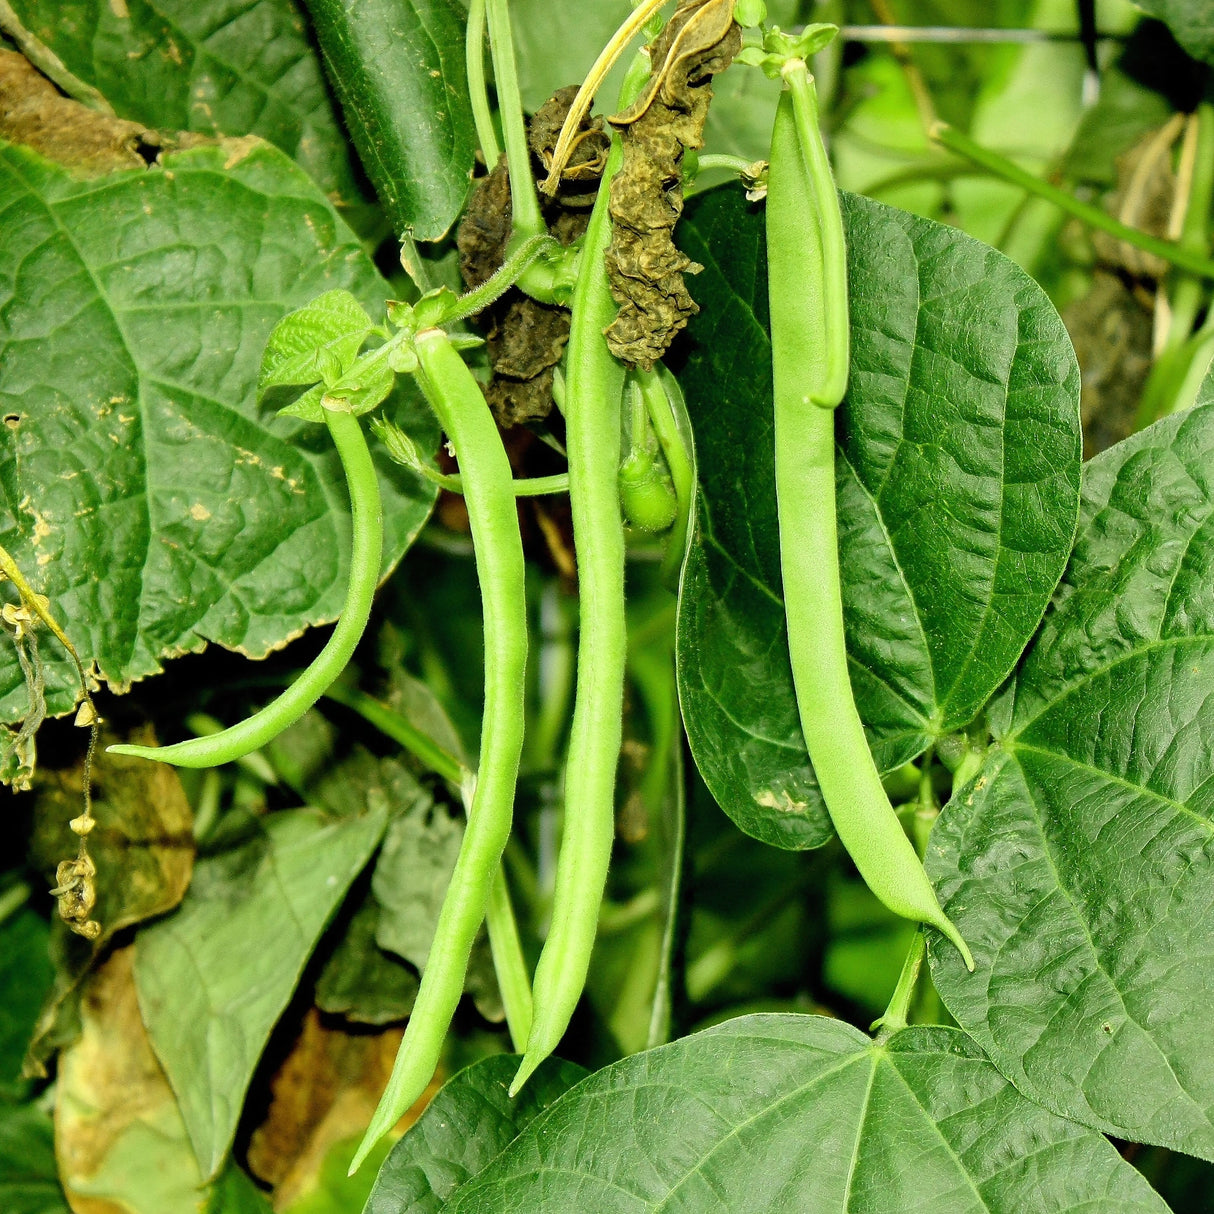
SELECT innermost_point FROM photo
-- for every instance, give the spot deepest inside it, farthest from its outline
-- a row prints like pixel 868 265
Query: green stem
pixel 1169 250
pixel 509 964
pixel 478 93
pixel 402 731
pixel 510 271
pixel 524 201
pixel 532 486
pixel 413 265
pixel 1194 234
pixel 206 811
pixel 896 1014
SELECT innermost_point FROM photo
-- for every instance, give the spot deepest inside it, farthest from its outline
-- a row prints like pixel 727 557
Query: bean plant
pixel 762 755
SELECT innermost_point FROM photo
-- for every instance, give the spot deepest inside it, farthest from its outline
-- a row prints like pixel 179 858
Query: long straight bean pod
pixel 809 338
pixel 594 386
pixel 488 484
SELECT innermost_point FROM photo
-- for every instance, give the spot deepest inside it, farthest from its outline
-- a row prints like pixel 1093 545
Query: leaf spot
pixel 782 802
pixel 199 513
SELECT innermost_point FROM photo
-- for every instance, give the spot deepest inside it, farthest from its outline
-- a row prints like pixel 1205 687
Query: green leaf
pixel 214 977
pixel 957 490
pixel 26 978
pixel 235 1193
pixel 411 878
pixel 397 67
pixel 1191 21
pixel 1079 863
pixel 336 1191
pixel 362 981
pixel 784 1112
pixel 29 1181
pixel 218 67
pixel 147 493
pixel 462 1130
pixel 334 322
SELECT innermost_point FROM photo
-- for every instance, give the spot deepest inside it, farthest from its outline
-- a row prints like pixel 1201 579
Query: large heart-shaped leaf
pixel 774 1113
pixel 144 489
pixel 462 1130
pixel 215 976
pixel 218 67
pixel 957 487
pixel 1079 864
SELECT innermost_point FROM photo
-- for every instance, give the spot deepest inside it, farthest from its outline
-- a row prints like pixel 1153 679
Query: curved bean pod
pixel 807 286
pixel 464 415
pixel 365 554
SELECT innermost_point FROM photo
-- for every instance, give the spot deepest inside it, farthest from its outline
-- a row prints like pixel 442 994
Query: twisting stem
pixel 524 202
pixel 1171 252
pixel 478 93
pixel 896 1014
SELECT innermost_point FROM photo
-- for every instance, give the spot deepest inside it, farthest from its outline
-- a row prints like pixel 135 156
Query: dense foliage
pixel 223 221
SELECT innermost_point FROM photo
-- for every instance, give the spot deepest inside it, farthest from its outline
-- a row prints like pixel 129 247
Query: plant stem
pixel 1169 250
pixel 532 486
pixel 1194 234
pixel 510 271
pixel 478 93
pixel 412 264
pixel 524 202
pixel 401 730
pixel 509 964
pixel 895 1016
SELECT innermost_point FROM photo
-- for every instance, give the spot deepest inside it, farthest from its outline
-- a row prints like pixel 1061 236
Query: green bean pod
pixel 594 386
pixel 464 415
pixel 365 554
pixel 807 287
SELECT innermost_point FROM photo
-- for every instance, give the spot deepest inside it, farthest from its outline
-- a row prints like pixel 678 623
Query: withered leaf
pixel 644 267
pixel 84 141
pixel 142 849
pixel 143 843
pixel 324 1092
pixel 119 1135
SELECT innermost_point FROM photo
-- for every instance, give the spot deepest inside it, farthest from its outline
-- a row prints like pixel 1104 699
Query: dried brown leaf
pixel 120 1140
